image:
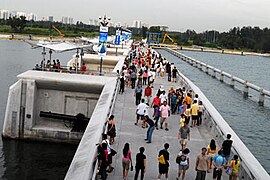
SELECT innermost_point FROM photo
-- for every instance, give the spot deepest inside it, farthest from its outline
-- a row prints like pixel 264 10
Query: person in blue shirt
pixel 218 162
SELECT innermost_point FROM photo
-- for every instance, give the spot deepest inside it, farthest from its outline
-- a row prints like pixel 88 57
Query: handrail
pixel 262 92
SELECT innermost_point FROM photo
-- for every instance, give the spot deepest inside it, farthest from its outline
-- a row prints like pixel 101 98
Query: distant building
pixel 50 18
pixel 13 14
pixel 32 17
pixel 137 24
pixel 67 20
pixel 4 14
pixel 19 14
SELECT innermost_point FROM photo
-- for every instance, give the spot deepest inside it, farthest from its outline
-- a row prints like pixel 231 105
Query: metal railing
pixel 231 79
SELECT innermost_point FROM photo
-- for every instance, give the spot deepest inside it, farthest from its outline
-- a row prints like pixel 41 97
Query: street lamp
pixel 103 35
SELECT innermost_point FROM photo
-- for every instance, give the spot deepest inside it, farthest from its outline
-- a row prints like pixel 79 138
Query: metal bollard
pixel 232 81
pixel 261 98
pixel 245 90
pixel 221 76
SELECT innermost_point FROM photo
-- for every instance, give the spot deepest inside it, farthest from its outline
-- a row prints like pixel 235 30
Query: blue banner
pixel 117 37
pixel 103 34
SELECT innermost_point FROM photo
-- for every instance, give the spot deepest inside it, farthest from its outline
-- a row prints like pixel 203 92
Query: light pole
pixel 103 35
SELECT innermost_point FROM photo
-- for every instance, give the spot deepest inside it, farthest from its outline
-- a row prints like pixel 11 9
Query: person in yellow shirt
pixel 182 120
pixel 234 164
pixel 194 113
pixel 211 152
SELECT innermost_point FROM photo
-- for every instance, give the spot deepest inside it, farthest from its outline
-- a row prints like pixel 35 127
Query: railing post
pixel 221 76
pixel 245 90
pixel 232 81
pixel 214 73
pixel 261 98
pixel 206 69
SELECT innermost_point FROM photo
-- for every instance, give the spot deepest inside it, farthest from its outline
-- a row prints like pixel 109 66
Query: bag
pixel 161 159
pixel 229 170
pixel 181 158
pixel 113 152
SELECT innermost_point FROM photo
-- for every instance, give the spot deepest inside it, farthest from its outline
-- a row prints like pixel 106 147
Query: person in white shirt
pixel 140 111
pixel 163 97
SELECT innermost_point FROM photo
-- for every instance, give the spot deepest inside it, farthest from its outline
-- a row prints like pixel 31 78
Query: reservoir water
pixel 247 119
pixel 28 160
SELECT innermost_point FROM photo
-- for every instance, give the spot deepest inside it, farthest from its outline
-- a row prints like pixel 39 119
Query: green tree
pixel 17 23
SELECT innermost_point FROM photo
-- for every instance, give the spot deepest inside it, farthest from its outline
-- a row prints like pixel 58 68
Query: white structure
pixel 50 18
pixel 4 14
pixel 32 17
pixel 137 24
pixel 67 20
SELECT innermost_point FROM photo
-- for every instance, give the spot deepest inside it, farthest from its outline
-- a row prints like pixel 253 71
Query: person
pixel 169 71
pixel 184 135
pixel 183 107
pixel 150 130
pixel 173 102
pixel 200 113
pixel 145 77
pixel 148 93
pixel 182 120
pixel 188 100
pixel 138 94
pixel 184 163
pixel 58 65
pixel 194 113
pixel 163 97
pixel 156 115
pixel 140 111
pixel 202 165
pixel 174 74
pixel 133 78
pixel 156 101
pixel 111 131
pixel 83 68
pixel 122 84
pixel 126 160
pixel 211 152
pixel 102 160
pixel 226 147
pixel 163 167
pixel 109 160
pixel 140 164
pixel 234 164
pixel 218 162
pixel 164 114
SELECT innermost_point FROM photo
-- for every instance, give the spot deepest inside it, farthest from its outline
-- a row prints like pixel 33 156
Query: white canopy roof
pixel 59 46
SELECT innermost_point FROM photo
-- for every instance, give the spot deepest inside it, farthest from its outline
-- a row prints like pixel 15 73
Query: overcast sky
pixel 199 15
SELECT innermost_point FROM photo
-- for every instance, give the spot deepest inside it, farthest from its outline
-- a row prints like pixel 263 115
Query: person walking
pixel 163 164
pixel 140 111
pixel 138 94
pixel 226 147
pixel 164 114
pixel 183 163
pixel 126 160
pixel 150 129
pixel 140 164
pixel 156 115
pixel 174 74
pixel 211 152
pixel 148 93
pixel 234 164
pixel 111 131
pixel 102 160
pixel 184 135
pixel 133 76
pixel 194 113
pixel 122 83
pixel 202 165
pixel 218 162
pixel 109 159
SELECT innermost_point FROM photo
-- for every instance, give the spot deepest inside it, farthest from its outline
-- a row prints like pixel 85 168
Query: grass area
pixel 5 29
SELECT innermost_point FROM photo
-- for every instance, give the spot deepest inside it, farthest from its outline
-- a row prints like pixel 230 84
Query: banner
pixel 126 35
pixel 117 37
pixel 103 34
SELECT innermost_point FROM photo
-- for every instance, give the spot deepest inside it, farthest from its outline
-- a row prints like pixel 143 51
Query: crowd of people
pixel 139 73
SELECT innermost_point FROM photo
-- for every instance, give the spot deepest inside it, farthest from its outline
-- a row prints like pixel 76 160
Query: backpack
pixel 181 158
pixel 161 159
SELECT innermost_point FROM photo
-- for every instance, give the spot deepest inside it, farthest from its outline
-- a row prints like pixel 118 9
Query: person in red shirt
pixel 156 102
pixel 83 69
pixel 148 93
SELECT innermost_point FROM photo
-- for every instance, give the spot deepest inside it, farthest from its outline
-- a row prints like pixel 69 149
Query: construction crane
pixel 167 36
pixel 57 30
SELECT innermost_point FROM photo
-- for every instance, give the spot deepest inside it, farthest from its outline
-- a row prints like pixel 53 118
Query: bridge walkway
pixel 127 132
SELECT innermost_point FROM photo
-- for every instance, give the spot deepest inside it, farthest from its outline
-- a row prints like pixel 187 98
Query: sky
pixel 178 15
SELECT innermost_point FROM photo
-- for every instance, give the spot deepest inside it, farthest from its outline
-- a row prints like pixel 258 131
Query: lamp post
pixel 103 35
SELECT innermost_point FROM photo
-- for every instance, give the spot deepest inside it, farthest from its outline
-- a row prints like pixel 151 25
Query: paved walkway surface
pixel 124 112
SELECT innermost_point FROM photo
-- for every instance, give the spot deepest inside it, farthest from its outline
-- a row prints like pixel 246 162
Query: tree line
pixel 246 38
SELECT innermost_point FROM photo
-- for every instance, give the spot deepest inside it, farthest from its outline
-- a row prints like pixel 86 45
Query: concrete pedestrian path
pixel 127 132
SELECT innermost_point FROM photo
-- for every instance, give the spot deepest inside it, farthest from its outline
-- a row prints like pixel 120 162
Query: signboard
pixel 102 49
pixel 103 34
pixel 117 37
pixel 153 37
pixel 126 35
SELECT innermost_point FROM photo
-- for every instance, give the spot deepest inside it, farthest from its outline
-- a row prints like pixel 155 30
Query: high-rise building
pixel 137 24
pixel 19 14
pixel 32 17
pixel 67 20
pixel 4 14
pixel 50 18
pixel 70 20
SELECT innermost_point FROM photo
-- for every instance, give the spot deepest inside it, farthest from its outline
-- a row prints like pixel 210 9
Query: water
pixel 246 118
pixel 28 160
